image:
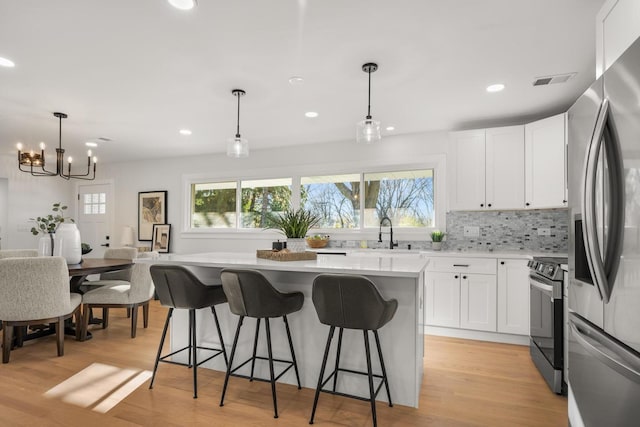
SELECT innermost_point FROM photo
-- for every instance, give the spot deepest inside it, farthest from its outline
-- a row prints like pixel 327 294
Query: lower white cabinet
pixel 513 296
pixel 442 299
pixel 478 302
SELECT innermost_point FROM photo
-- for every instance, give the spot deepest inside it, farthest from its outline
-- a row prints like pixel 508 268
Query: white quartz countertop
pixel 383 265
pixel 431 253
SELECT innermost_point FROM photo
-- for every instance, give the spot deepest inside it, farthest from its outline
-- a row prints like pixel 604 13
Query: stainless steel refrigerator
pixel 604 249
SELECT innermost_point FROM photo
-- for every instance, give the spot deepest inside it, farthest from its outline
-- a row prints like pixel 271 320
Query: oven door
pixel 546 318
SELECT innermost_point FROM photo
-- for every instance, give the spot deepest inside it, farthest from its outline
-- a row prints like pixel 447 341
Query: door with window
pixel 95 216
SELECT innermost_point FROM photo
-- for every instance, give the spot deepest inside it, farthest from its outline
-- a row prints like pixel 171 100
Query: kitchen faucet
pixel 387 219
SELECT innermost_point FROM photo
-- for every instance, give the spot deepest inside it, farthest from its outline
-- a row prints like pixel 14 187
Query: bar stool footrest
pixel 352 396
pixel 216 350
pixel 276 378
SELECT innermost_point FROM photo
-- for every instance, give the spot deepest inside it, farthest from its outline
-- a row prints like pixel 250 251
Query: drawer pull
pixel 461 265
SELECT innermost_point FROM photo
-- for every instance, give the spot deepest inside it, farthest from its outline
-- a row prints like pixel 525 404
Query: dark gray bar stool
pixel 351 302
pixel 251 295
pixel 178 287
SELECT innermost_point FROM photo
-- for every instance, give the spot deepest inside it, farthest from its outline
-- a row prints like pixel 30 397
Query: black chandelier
pixel 34 163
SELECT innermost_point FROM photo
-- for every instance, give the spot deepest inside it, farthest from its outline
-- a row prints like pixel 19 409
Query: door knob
pixel 105 244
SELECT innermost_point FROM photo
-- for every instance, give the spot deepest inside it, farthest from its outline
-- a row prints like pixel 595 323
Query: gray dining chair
pixel 36 291
pixel 122 294
pixel 18 253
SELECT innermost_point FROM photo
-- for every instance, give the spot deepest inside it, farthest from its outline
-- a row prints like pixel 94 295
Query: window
pixel 335 199
pixel 213 205
pixel 94 203
pixel 405 197
pixel 262 197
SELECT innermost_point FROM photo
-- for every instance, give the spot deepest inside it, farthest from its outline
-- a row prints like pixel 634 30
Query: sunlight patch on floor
pixel 99 386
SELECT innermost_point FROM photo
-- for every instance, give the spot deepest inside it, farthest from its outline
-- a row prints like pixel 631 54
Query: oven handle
pixel 536 283
pixel 604 349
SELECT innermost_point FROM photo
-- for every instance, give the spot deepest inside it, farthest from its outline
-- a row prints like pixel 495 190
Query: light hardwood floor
pixel 466 383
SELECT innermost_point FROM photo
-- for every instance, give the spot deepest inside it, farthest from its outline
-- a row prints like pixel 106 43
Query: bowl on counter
pixel 317 241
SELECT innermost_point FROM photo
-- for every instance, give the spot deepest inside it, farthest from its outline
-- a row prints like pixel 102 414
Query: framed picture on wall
pixel 152 209
pixel 161 238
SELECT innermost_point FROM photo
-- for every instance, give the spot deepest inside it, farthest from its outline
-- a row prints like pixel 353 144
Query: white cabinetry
pixel 545 177
pixel 461 292
pixel 488 169
pixel 617 27
pixel 513 296
pixel 478 301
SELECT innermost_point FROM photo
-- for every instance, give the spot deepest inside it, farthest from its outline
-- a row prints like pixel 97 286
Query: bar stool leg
pixel 194 350
pixel 233 352
pixel 224 350
pixel 255 346
pixel 190 339
pixel 384 371
pixel 164 334
pixel 335 374
pixel 321 376
pixel 293 353
pixel 272 375
pixel 370 375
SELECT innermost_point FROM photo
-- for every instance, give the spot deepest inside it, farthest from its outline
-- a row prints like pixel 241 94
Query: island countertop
pixel 383 265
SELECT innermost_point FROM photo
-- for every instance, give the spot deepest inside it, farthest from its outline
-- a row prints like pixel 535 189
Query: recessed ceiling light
pixel 296 80
pixel 185 132
pixel 183 4
pixel 390 128
pixel 311 114
pixel 91 144
pixel 495 88
pixel 4 62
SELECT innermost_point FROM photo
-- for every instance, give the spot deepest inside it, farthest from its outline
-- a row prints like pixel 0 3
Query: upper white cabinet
pixel 617 27
pixel 488 169
pixel 545 164
pixel 513 296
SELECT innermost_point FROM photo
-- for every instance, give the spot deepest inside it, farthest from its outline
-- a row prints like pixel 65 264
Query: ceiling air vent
pixel 103 139
pixel 548 80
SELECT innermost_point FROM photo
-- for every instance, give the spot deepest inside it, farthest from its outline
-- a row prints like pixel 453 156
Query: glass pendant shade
pixel 368 131
pixel 237 147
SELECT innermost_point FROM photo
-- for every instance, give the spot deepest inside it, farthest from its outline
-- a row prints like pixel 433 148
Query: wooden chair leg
pixel 60 335
pixel 79 324
pixel 128 312
pixel 19 333
pixel 105 317
pixel 7 337
pixel 145 314
pixel 85 320
pixel 134 320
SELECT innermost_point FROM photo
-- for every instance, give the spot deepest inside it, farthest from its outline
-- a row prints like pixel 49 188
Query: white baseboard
pixel 477 335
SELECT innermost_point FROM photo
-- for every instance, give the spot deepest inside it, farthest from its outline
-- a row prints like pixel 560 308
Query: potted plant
pixel 294 224
pixel 436 239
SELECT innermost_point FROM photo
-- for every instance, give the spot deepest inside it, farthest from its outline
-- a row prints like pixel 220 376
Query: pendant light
pixel 237 146
pixel 34 163
pixel 368 130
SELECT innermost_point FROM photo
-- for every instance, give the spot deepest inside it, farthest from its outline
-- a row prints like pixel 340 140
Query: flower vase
pixel 50 245
pixel 71 243
pixel 296 245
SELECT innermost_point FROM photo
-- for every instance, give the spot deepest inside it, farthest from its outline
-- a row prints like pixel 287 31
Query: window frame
pixel 436 162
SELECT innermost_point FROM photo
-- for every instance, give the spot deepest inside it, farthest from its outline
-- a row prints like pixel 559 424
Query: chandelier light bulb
pixel 19 146
pixel 42 145
pixel 70 159
pixel 88 153
pixel 95 159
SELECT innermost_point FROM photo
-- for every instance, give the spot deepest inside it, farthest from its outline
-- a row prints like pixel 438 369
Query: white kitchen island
pixel 401 339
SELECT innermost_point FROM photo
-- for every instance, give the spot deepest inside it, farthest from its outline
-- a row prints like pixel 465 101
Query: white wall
pixel 168 174
pixel 4 208
pixel 29 197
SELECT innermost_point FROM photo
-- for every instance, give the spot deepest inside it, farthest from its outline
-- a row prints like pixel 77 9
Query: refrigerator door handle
pixel 608 352
pixel 589 231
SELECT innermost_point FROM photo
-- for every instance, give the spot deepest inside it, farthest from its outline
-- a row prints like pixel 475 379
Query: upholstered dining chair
pixel 36 291
pixel 122 294
pixel 18 253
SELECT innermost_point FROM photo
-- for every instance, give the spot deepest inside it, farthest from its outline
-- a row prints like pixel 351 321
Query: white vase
pixel 296 245
pixel 50 245
pixel 71 243
pixel 436 246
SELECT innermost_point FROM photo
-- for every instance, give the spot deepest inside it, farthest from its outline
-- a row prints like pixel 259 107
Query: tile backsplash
pixel 509 230
pixel 497 231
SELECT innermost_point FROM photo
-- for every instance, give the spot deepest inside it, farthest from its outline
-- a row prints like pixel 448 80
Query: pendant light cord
pixel 238 121
pixel 369 97
pixel 60 132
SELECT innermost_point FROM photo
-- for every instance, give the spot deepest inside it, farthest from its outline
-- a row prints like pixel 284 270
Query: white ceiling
pixel 138 71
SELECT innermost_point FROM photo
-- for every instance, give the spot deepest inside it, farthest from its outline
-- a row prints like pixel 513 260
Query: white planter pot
pixel 50 245
pixel 436 246
pixel 296 245
pixel 71 243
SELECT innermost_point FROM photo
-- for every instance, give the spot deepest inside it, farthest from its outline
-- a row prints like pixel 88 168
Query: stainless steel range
pixel 546 319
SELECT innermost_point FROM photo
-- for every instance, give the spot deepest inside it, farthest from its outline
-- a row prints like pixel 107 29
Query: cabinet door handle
pixel 489 205
pixel 455 277
pixel 461 265
pixel 527 204
pixel 501 262
pixel 464 277
pixel 482 205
